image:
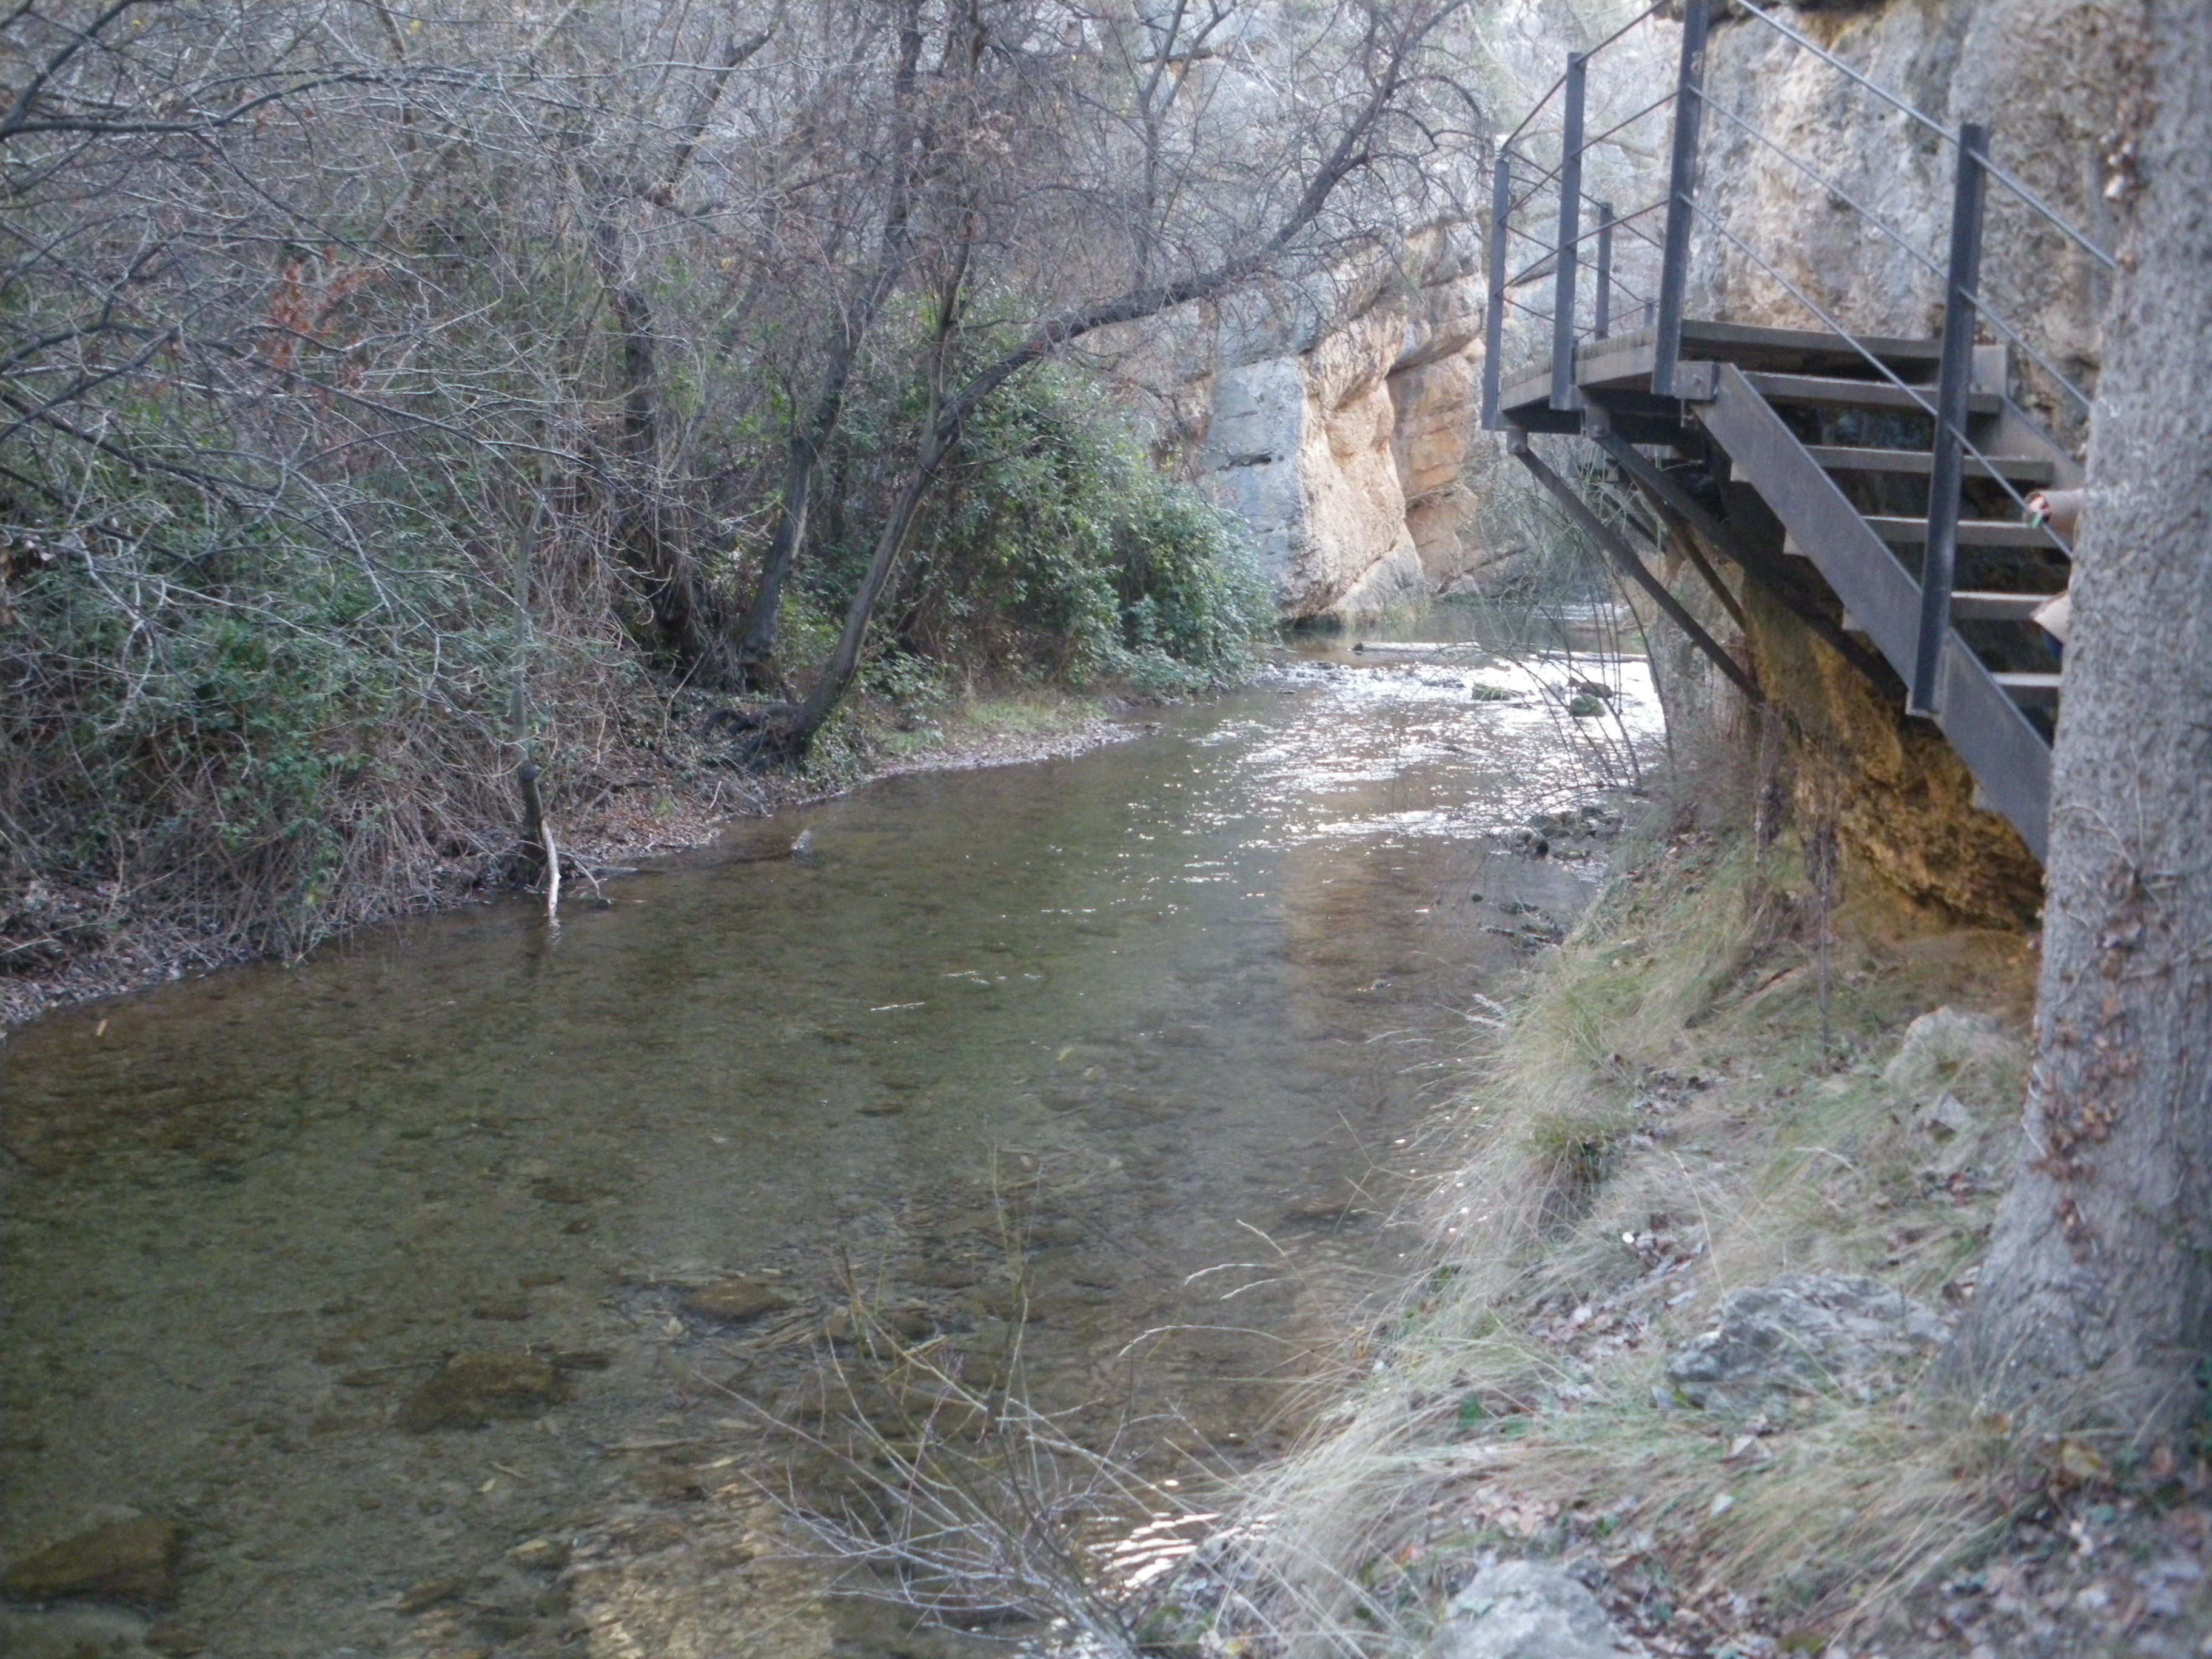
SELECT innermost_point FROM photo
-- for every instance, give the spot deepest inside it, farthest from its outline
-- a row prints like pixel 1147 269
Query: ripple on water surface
pixel 464 1233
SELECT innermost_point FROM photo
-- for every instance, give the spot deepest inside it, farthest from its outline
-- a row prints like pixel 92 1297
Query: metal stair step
pixel 2041 689
pixel 1860 394
pixel 1970 605
pixel 1972 533
pixel 2021 469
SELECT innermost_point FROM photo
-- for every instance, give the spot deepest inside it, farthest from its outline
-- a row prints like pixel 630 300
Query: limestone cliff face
pixel 1342 428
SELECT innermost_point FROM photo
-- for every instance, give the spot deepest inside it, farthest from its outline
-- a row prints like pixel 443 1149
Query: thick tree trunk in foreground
pixel 2097 1296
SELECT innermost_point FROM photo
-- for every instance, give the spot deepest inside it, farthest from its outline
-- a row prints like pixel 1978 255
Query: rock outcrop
pixel 1528 1610
pixel 132 1559
pixel 1340 423
pixel 1805 1332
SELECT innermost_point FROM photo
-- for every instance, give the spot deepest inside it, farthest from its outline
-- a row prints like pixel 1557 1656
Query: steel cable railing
pixel 1873 360
pixel 1538 107
pixel 1826 184
pixel 1522 180
pixel 1982 305
pixel 1966 303
pixel 1551 249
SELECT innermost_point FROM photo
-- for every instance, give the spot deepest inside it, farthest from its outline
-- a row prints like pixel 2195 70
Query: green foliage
pixel 258 727
pixel 1059 551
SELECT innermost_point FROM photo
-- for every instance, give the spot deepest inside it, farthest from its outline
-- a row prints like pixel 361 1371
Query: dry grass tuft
pixel 1691 1099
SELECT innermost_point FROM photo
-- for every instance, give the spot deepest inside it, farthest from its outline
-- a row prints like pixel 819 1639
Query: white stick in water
pixel 552 877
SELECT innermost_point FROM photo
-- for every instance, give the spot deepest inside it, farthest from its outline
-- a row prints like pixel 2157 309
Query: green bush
pixel 1058 551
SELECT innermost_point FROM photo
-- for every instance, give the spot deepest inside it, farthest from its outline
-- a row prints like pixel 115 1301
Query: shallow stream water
pixel 1070 1032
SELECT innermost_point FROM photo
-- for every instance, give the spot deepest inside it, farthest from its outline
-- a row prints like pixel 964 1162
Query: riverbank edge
pixel 1725 1081
pixel 672 802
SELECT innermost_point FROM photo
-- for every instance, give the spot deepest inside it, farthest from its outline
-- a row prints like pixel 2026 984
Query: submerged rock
pixel 1527 1610
pixel 472 1389
pixel 133 1559
pixel 429 1592
pixel 1804 1333
pixel 540 1555
pixel 732 1301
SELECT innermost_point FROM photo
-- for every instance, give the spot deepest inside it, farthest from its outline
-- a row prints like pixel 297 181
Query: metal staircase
pixel 1874 486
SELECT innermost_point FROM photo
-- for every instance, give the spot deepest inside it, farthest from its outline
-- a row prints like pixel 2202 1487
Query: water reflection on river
pixel 1154 1003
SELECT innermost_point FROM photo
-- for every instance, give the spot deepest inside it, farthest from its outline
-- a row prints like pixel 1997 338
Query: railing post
pixel 1604 325
pixel 1682 181
pixel 1564 262
pixel 1493 322
pixel 1945 472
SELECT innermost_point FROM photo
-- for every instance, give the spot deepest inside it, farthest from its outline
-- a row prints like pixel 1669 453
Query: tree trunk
pixel 756 665
pixel 686 620
pixel 2097 1296
pixel 789 736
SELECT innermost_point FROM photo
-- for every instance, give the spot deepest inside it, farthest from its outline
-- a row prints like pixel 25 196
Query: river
pixel 1038 1054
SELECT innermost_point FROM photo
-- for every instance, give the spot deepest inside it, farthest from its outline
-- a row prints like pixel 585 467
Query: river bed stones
pixel 421 1596
pixel 734 1301
pixel 132 1559
pixel 473 1389
pixel 540 1555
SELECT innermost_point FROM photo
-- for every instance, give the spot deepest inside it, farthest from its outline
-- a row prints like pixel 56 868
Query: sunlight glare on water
pixel 1036 1053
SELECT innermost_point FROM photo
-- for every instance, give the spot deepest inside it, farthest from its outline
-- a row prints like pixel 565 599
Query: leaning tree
pixel 1057 189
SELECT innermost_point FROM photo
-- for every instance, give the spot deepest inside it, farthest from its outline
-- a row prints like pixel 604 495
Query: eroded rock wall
pixel 1341 423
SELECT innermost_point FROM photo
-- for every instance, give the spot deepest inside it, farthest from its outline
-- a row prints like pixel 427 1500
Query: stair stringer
pixel 2006 755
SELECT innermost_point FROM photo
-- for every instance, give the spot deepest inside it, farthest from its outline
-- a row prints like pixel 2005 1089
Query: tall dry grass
pixel 1690 1098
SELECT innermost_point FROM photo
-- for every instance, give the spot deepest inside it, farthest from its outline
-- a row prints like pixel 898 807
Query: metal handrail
pixel 1915 392
pixel 1552 91
pixel 1506 142
pixel 1660 102
pixel 1588 145
pixel 1552 173
pixel 1552 249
